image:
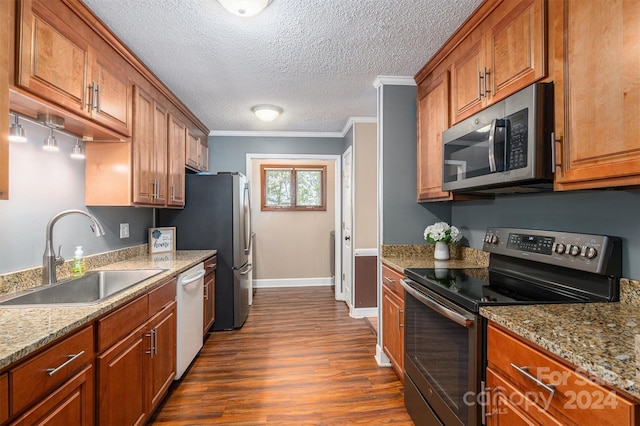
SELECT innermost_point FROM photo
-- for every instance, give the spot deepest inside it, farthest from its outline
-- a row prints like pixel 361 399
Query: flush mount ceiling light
pixel 16 132
pixel 77 151
pixel 50 143
pixel 244 8
pixel 267 112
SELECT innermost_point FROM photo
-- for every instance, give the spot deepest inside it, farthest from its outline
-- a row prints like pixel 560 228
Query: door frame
pixel 337 160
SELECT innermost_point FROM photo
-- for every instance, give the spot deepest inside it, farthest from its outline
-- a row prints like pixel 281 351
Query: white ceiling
pixel 316 60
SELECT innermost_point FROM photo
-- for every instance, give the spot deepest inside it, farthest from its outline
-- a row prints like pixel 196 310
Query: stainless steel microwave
pixel 504 148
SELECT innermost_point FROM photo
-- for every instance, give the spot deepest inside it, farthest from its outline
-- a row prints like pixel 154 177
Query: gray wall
pixel 403 218
pixel 43 184
pixel 597 212
pixel 228 153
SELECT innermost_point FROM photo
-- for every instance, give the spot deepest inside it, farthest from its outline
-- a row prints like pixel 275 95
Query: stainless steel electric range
pixel 445 344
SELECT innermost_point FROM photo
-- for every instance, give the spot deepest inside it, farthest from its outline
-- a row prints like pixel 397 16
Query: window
pixel 288 188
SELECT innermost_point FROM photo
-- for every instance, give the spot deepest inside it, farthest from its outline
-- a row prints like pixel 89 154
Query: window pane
pixel 277 188
pixel 309 187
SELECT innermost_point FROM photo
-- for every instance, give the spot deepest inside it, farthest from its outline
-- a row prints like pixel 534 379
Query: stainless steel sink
pixel 91 288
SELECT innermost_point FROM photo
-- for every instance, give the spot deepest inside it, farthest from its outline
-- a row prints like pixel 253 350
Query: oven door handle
pixel 442 310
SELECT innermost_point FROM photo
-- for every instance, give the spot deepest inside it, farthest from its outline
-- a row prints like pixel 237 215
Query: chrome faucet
pixel 50 260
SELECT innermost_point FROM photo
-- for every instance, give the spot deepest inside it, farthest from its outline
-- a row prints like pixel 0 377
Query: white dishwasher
pixel 189 299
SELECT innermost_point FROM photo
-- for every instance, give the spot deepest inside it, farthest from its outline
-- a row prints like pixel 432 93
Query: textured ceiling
pixel 316 60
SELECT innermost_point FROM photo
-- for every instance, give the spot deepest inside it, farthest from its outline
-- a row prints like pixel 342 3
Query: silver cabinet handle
pixel 52 371
pixel 206 292
pixel 212 265
pixel 90 100
pixel 400 311
pixel 479 85
pixel 389 280
pixel 486 74
pixel 524 370
pixel 155 340
pixel 553 152
pixel 97 107
pixel 151 341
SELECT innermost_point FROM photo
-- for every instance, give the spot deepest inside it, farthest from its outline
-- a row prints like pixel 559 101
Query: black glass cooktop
pixel 472 288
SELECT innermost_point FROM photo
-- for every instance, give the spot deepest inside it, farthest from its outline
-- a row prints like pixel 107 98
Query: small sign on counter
pixel 162 240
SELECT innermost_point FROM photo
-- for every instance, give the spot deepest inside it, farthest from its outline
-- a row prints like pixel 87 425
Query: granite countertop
pixel 602 339
pixel 26 329
pixel 401 257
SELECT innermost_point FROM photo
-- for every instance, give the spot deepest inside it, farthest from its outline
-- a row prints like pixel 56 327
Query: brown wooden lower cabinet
pixel 527 385
pixel 393 319
pixel 70 404
pixel 210 266
pixel 67 384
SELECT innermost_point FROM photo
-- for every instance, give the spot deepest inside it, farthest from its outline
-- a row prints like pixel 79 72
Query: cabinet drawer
pixel 37 377
pixel 576 396
pixel 210 264
pixel 118 324
pixel 161 296
pixel 391 279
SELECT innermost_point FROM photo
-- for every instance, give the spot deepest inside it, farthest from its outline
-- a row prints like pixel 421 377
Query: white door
pixel 347 247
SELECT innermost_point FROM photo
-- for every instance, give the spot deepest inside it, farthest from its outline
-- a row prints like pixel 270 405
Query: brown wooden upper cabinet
pixel 149 150
pixel 175 178
pixel 498 51
pixel 505 53
pixel 197 151
pixel 597 93
pixel 433 119
pixel 63 61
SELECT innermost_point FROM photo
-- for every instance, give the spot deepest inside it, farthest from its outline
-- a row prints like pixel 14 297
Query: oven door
pixel 443 359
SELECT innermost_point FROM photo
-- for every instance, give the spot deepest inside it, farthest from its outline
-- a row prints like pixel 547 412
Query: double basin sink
pixel 93 287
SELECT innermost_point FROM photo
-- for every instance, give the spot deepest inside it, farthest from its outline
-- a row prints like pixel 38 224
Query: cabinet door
pixel 144 184
pixel 162 359
pixel 597 93
pixel 203 156
pixel 433 119
pixel 515 53
pixel 4 398
pixel 177 142
pixel 160 144
pixel 111 102
pixel 192 151
pixel 53 57
pixel 467 79
pixel 393 330
pixel 121 391
pixel 209 301
pixel 70 404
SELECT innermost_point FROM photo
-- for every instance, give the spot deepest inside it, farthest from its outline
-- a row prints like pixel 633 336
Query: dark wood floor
pixel 299 360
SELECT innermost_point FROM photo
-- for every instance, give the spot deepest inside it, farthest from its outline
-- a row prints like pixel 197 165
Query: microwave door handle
pixel 492 146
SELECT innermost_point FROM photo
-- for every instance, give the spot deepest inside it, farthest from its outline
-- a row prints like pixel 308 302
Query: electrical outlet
pixel 124 230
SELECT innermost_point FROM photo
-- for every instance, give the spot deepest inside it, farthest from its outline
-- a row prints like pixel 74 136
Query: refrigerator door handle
pixel 246 271
pixel 247 233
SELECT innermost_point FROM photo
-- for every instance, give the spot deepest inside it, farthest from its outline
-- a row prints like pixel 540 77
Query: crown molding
pixel 390 80
pixel 273 134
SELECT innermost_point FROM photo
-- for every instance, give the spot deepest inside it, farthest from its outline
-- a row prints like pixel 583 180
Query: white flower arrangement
pixel 442 232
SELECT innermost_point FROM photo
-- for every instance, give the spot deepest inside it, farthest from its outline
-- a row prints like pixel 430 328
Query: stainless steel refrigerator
pixel 217 215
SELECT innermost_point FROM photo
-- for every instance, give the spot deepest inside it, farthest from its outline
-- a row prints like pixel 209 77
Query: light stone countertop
pixel 26 329
pixel 602 339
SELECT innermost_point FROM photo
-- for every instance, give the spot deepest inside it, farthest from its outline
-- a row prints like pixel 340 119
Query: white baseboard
pixel 293 282
pixel 363 312
pixel 381 358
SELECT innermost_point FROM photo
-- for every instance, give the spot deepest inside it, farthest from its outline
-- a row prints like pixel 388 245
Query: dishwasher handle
pixel 188 280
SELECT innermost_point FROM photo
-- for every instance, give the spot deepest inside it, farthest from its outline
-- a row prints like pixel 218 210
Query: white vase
pixel 441 251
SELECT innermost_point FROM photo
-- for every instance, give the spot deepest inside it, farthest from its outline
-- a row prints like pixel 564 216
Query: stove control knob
pixel 494 239
pixel 560 248
pixel 574 250
pixel 591 252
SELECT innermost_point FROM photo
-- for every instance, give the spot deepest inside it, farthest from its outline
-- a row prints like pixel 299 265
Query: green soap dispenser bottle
pixel 79 265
